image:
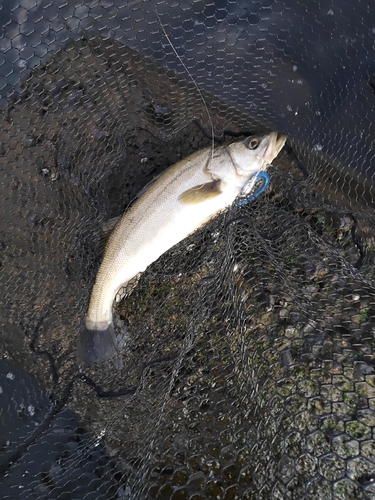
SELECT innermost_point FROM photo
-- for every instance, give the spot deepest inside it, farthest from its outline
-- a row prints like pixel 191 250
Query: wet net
pixel 247 350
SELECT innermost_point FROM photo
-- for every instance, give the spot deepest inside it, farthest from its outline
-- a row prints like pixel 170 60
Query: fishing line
pixel 194 82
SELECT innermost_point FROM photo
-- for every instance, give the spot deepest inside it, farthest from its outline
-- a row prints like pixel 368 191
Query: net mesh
pixel 247 350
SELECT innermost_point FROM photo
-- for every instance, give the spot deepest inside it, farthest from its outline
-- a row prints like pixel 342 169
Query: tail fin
pixel 96 345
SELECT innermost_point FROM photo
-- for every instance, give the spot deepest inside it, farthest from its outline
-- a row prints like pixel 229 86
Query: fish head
pixel 255 153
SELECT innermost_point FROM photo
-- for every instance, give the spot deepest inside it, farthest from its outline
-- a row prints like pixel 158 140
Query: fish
pixel 181 200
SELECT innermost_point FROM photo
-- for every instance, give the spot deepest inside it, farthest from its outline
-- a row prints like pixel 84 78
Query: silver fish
pixel 181 200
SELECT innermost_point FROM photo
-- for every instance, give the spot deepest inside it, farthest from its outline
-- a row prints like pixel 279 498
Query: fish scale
pixel 182 199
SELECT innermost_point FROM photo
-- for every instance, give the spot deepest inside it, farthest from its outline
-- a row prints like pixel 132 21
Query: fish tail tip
pixel 96 345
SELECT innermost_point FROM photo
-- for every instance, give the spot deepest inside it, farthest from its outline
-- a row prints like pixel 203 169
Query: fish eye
pixel 253 143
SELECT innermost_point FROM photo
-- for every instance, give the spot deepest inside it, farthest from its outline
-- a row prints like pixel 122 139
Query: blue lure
pixel 264 180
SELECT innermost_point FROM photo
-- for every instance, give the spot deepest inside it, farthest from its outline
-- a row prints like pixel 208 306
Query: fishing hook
pixel 259 176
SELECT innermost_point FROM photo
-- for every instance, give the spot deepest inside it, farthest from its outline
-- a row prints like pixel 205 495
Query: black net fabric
pixel 247 350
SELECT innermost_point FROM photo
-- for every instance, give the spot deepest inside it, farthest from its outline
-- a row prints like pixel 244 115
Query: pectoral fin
pixel 200 193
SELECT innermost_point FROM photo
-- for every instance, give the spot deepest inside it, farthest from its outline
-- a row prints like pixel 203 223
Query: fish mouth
pixel 272 146
pixel 280 140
